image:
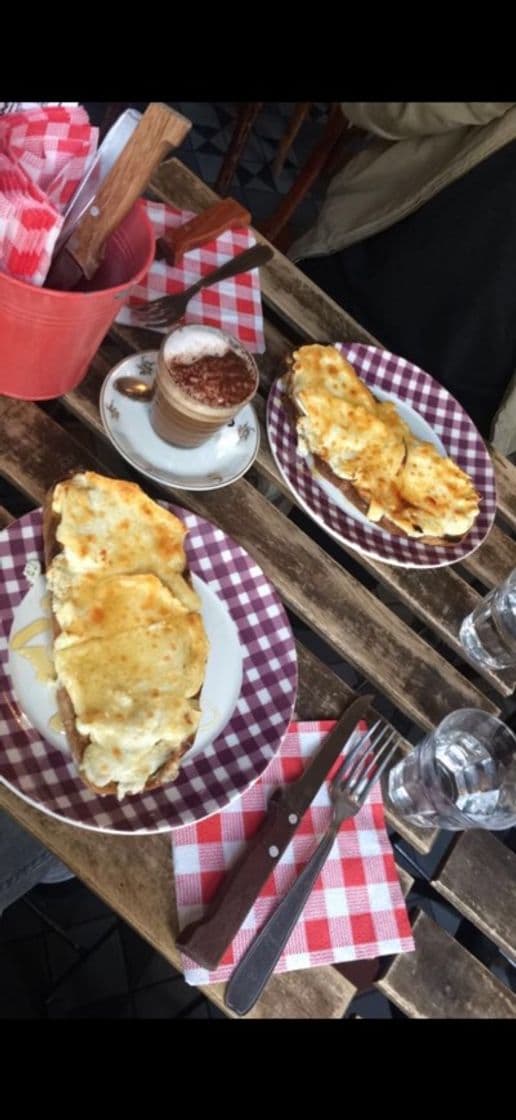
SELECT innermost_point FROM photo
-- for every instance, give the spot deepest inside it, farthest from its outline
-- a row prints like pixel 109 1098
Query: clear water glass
pixel 462 775
pixel 488 634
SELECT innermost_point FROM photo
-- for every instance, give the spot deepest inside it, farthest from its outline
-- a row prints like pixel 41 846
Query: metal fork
pixel 167 310
pixel 364 763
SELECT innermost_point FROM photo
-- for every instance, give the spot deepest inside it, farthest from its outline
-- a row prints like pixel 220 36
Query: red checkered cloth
pixel 356 909
pixel 234 305
pixel 44 155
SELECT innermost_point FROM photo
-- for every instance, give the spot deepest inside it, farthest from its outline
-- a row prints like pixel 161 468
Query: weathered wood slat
pixel 37 452
pixel 348 616
pixel 479 879
pixel 134 877
pixel 441 980
pixel 494 560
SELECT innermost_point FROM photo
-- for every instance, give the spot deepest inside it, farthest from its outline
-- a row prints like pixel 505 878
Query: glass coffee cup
pixel 204 378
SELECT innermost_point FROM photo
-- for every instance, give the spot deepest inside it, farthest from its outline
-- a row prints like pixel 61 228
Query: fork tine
pixel 377 753
pixel 363 763
pixel 158 312
pixel 377 774
pixel 155 308
pixel 363 736
pixel 155 321
pixel 153 316
pixel 151 306
pixel 348 758
pixel 376 766
pixel 165 320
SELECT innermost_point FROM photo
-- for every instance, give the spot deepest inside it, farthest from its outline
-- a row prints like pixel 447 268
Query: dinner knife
pixel 160 129
pixel 207 939
pixel 106 156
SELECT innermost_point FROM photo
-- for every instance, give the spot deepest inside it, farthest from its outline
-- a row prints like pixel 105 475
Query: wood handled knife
pixel 206 940
pixel 224 214
pixel 159 130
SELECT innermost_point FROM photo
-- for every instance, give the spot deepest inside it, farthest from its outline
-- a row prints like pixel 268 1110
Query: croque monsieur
pixel 130 647
pixel 362 446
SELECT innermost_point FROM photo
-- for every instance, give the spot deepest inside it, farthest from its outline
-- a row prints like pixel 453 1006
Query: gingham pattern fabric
pixel 234 305
pixel 47 777
pixel 356 909
pixel 381 369
pixel 20 106
pixel 44 154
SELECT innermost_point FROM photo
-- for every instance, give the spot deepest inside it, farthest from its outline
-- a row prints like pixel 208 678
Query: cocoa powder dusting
pixel 219 380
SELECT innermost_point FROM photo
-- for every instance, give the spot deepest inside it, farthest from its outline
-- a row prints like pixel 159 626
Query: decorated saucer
pixel 223 459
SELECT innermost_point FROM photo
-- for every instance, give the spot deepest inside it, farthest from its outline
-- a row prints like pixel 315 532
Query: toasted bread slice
pixel 349 491
pixel 79 742
pixel 403 445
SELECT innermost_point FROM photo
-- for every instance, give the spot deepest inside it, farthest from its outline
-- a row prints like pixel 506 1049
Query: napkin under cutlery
pixel 234 305
pixel 356 910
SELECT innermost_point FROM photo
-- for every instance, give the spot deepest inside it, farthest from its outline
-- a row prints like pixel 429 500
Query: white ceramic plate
pixel 224 458
pixel 432 414
pixel 246 701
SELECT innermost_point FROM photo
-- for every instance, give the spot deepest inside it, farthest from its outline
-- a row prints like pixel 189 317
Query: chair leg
pixel 335 126
pixel 246 117
pixel 301 111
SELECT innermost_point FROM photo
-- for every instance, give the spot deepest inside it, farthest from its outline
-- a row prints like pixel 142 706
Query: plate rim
pixel 166 827
pixel 151 474
pixel 371 553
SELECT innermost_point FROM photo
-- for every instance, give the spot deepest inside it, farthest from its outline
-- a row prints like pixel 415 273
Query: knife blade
pixel 207 939
pixel 111 147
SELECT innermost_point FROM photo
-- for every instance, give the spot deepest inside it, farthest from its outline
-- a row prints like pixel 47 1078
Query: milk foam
pixel 193 342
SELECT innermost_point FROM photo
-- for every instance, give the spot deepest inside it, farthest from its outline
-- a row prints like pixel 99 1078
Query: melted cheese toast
pixel 363 446
pixel 130 647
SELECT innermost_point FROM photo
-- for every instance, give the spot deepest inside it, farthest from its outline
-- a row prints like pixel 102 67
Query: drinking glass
pixel 462 775
pixel 489 632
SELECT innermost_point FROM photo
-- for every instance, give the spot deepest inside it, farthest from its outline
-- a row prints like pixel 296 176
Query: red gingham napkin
pixel 234 305
pixel 356 910
pixel 44 154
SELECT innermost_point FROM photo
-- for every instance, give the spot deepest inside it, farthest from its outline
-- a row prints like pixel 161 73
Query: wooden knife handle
pixel 223 215
pixel 160 129
pixel 206 940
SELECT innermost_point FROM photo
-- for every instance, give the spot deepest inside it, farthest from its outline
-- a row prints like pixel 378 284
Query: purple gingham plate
pixel 454 430
pixel 45 776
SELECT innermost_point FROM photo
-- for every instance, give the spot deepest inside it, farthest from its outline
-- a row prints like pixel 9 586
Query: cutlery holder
pixel 49 338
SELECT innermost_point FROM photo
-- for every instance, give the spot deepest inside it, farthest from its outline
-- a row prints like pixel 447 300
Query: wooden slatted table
pixel 416 665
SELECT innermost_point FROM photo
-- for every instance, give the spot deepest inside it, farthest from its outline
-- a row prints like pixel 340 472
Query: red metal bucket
pixel 48 339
